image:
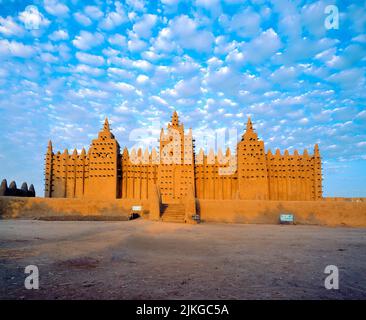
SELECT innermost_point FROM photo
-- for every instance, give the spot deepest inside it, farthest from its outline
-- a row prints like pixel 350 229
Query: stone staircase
pixel 173 212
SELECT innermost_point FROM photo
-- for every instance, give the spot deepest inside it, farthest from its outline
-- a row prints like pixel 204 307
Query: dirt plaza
pixel 142 259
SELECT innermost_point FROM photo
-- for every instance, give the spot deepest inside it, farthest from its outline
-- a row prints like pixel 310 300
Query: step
pixel 173 217
pixel 174 212
pixel 172 220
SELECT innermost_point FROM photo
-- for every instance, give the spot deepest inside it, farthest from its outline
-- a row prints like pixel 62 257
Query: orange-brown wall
pixel 22 208
pixel 329 213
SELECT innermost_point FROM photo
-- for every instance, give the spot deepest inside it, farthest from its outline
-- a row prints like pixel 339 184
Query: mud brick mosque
pixel 250 173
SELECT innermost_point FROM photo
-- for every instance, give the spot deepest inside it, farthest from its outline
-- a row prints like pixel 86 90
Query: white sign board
pixel 287 218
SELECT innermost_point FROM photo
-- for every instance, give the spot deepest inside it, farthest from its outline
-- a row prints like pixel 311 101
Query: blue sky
pixel 215 62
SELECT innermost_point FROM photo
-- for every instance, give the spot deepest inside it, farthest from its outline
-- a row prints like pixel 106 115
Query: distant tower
pixel 31 191
pixel 104 180
pixel 4 188
pixel 48 171
pixel 252 168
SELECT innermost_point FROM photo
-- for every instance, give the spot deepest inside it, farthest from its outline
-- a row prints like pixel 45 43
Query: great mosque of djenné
pixel 176 170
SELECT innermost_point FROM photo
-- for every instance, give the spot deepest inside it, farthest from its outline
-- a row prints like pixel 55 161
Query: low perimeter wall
pixel 330 213
pixel 59 208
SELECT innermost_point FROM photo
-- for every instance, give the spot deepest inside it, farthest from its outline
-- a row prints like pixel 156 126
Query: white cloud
pixel 110 52
pixel 82 68
pixel 349 57
pixel 222 46
pixel 137 5
pixel 93 12
pixel 187 33
pixel 313 17
pixel 142 79
pixel 186 66
pixel 348 79
pixel 33 19
pixel 142 64
pixel 208 4
pixel 131 64
pixel 143 28
pixel 361 115
pixel 151 55
pixel 223 78
pixel 290 25
pixel 360 38
pixel 124 87
pixel 185 88
pixel 235 57
pixel 284 75
pixel 164 41
pixel 305 48
pixel 59 35
pixel 49 58
pixel 262 47
pixel 8 27
pixel 82 19
pixel 86 92
pixel 361 144
pixel 135 44
pixel 56 8
pixel 170 2
pixel 86 40
pixel 16 49
pixel 304 121
pixel 159 100
pixel 121 73
pixel 90 59
pixel 115 18
pixel 214 63
pixel 117 40
pixel 245 24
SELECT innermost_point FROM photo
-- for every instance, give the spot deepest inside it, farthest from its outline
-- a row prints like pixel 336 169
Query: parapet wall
pixel 48 208
pixel 327 213
pixel 354 199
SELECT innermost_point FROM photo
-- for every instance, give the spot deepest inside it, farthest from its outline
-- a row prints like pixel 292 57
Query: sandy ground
pixel 153 260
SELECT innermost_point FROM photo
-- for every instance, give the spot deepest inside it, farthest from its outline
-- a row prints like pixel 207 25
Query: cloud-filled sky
pixel 65 65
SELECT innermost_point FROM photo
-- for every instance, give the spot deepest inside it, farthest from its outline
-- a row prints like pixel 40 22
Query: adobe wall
pixel 330 213
pixel 48 208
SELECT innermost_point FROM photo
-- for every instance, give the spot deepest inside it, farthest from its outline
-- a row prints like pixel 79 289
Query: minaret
pixel 318 192
pixel 82 173
pixel 172 142
pixel 249 134
pixel 104 176
pixel 106 133
pixel 175 119
pixel 252 166
pixel 106 125
pixel 249 125
pixel 176 160
pixel 49 147
pixel 48 171
pixel 64 168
